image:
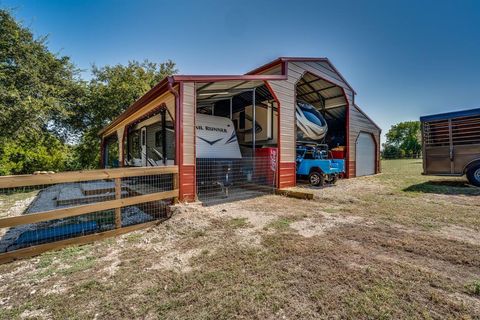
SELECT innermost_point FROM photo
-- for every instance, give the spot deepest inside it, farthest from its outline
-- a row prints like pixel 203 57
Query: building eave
pixel 157 90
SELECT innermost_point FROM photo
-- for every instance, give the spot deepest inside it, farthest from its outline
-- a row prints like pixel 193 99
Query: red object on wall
pixel 338 154
pixel 266 167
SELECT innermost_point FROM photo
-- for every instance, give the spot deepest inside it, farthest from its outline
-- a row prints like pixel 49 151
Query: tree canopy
pixel 403 140
pixel 38 91
pixel 49 116
pixel 110 91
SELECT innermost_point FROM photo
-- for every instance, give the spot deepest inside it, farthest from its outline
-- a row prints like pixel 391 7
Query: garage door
pixel 365 155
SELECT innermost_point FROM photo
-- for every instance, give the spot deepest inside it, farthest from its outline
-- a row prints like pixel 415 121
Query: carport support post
pixel 118 195
pixel 254 121
pixel 120 137
pixel 253 129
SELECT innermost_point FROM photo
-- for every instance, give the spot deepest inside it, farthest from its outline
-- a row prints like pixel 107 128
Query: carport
pixel 330 99
pixel 252 111
pixel 261 107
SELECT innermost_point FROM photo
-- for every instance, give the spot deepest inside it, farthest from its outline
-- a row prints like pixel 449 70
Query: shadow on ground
pixel 448 187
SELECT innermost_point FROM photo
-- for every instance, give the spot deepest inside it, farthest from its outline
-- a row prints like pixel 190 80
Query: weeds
pixel 474 288
pixel 281 224
pixel 133 237
pixel 79 265
pixel 236 223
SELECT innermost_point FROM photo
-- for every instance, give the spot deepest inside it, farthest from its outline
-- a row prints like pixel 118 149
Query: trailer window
pixel 436 133
pixel 161 140
pixel 144 138
pixel 134 145
pixel 158 138
pixel 169 137
pixel 466 130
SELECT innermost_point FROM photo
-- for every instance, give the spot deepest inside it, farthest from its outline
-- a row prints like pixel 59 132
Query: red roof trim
pixel 267 66
pixel 216 78
pixel 157 90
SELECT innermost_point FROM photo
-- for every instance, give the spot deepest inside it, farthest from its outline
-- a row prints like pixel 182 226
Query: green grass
pixel 79 265
pixel 474 288
pixel 373 299
pixel 66 261
pixel 331 210
pixel 406 175
pixel 238 223
pixel 280 224
pixel 410 198
pixel 133 237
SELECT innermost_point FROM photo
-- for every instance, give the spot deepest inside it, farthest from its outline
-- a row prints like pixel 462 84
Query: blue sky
pixel 404 58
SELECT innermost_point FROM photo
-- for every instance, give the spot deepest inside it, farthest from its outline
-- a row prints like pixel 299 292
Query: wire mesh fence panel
pixel 145 212
pixel 141 185
pixel 223 180
pixel 38 214
pixel 32 234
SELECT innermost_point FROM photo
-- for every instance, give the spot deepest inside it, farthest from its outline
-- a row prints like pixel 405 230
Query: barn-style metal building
pixel 163 121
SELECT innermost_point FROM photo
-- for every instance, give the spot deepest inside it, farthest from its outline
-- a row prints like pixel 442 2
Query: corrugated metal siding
pixel 287 175
pixel 322 70
pixel 187 170
pixel 360 123
pixel 187 183
pixel 188 115
pixel 285 92
pixel 274 70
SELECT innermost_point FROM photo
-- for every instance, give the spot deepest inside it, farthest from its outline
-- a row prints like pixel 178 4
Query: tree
pixel 110 91
pixel 49 116
pixel 403 139
pixel 38 91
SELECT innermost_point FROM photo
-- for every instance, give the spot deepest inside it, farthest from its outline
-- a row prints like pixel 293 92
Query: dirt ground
pixel 395 245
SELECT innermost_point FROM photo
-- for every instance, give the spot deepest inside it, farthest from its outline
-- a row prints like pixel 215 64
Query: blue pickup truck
pixel 313 163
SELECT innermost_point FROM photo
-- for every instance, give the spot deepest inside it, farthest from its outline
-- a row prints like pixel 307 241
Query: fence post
pixel 118 195
pixel 175 185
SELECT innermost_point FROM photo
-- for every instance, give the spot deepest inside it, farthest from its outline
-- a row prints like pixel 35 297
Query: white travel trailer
pixel 151 142
pixel 216 138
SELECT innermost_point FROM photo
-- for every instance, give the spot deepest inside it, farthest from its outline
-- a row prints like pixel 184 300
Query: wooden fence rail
pixel 83 175
pixel 7 182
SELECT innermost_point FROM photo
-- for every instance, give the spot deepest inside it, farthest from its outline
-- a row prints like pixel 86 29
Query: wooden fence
pixel 116 204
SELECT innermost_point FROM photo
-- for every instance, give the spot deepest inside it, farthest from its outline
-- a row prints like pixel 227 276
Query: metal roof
pixel 284 60
pixel 319 92
pixel 222 80
pixel 449 115
pixel 240 99
pixel 224 89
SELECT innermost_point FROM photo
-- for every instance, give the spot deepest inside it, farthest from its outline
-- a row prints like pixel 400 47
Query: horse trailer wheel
pixel 473 175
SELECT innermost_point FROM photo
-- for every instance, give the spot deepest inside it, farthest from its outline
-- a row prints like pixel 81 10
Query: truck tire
pixel 334 179
pixel 473 175
pixel 316 179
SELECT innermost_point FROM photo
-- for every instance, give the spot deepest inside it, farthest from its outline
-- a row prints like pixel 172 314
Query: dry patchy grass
pixel 397 245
